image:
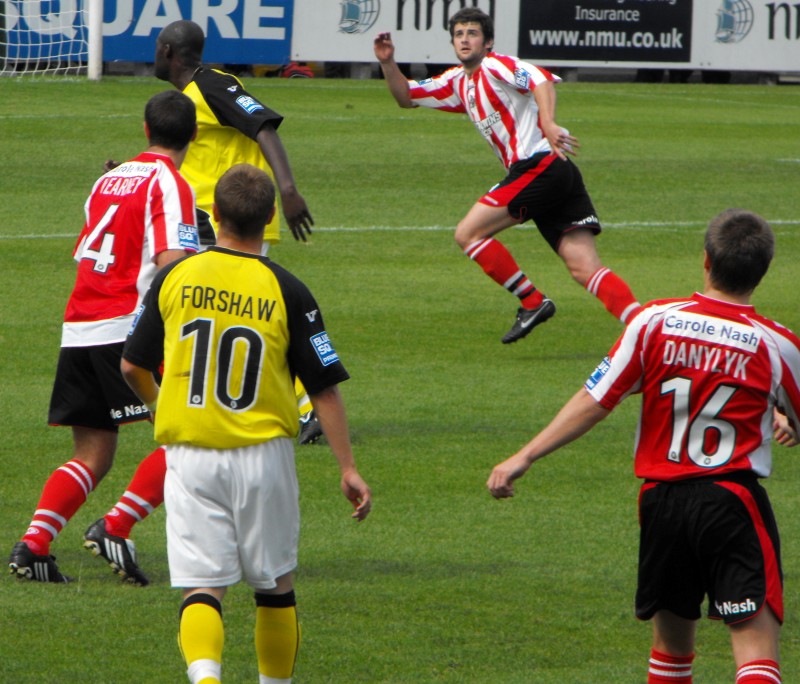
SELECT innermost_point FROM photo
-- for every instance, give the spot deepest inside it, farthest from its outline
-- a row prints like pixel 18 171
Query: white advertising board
pixel 743 35
pixel 343 30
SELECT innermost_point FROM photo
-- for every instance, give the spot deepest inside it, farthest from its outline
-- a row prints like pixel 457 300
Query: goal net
pixel 48 37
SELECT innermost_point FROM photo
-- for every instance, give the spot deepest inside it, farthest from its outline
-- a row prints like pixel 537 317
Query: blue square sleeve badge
pixel 325 351
pixel 188 237
pixel 598 374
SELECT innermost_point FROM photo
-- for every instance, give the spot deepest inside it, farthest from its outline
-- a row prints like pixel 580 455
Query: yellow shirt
pixel 228 120
pixel 234 330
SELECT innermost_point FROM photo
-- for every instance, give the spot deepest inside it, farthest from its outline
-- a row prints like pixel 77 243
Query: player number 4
pixel 693 434
pixel 103 256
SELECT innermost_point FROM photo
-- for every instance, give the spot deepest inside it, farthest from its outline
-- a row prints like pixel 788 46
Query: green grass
pixel 441 583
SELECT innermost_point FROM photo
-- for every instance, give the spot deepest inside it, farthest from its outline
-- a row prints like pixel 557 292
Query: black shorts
pixel 549 191
pixel 709 536
pixel 89 390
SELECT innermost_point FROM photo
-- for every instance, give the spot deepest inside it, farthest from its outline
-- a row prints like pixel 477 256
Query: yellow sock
pixel 277 639
pixel 201 638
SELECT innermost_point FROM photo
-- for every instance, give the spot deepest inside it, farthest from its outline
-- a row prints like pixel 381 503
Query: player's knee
pixel 461 238
pixel 579 273
pixel 466 234
pixel 581 267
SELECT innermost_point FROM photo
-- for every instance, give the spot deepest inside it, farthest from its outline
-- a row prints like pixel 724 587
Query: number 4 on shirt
pixel 103 256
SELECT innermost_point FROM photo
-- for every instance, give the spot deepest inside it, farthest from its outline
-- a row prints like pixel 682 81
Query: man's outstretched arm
pixel 579 415
pixel 395 80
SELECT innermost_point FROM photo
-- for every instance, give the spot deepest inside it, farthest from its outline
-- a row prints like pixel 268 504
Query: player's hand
pixel 110 165
pixel 783 431
pixel 297 215
pixel 358 493
pixel 384 47
pixel 561 142
pixel 501 481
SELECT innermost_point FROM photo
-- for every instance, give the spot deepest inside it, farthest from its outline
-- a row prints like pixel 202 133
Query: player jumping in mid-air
pixel 512 104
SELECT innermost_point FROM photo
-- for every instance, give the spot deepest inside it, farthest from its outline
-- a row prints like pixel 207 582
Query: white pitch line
pixel 663 226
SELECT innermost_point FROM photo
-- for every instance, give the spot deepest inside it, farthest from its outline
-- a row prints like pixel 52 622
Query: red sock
pixel 759 671
pixel 145 493
pixel 497 262
pixel 614 292
pixel 669 668
pixel 63 494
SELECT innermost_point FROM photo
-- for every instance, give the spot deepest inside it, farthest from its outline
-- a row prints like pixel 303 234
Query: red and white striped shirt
pixel 498 98
pixel 710 373
pixel 136 211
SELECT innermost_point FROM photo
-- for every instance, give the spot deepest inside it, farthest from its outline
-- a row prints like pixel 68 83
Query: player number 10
pixel 231 339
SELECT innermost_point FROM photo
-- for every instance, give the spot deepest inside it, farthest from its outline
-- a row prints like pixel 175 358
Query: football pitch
pixel 441 583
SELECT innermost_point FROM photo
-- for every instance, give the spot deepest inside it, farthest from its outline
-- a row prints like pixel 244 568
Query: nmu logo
pixel 734 21
pixel 359 16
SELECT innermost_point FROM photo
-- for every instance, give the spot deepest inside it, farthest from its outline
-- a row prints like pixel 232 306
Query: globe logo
pixel 359 16
pixel 734 21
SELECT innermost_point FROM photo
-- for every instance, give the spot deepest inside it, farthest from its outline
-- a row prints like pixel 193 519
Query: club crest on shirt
pixel 322 345
pixel 248 104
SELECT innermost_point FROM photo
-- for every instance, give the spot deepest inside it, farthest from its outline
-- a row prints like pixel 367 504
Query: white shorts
pixel 231 514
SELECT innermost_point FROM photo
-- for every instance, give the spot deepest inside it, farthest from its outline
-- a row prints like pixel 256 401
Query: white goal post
pixel 42 38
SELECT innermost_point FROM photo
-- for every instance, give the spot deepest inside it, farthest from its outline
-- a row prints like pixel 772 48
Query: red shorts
pixel 549 191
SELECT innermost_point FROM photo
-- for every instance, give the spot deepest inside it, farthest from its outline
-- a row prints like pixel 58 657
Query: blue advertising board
pixel 237 31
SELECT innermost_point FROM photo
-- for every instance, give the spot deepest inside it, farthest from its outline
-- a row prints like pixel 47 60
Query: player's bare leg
pixel 475 235
pixel 673 634
pixel 482 221
pixel 578 250
pixel 755 648
pixel 673 649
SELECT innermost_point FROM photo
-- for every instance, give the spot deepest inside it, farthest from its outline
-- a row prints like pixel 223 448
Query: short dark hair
pixel 171 119
pixel 244 196
pixel 473 15
pixel 186 39
pixel 740 246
